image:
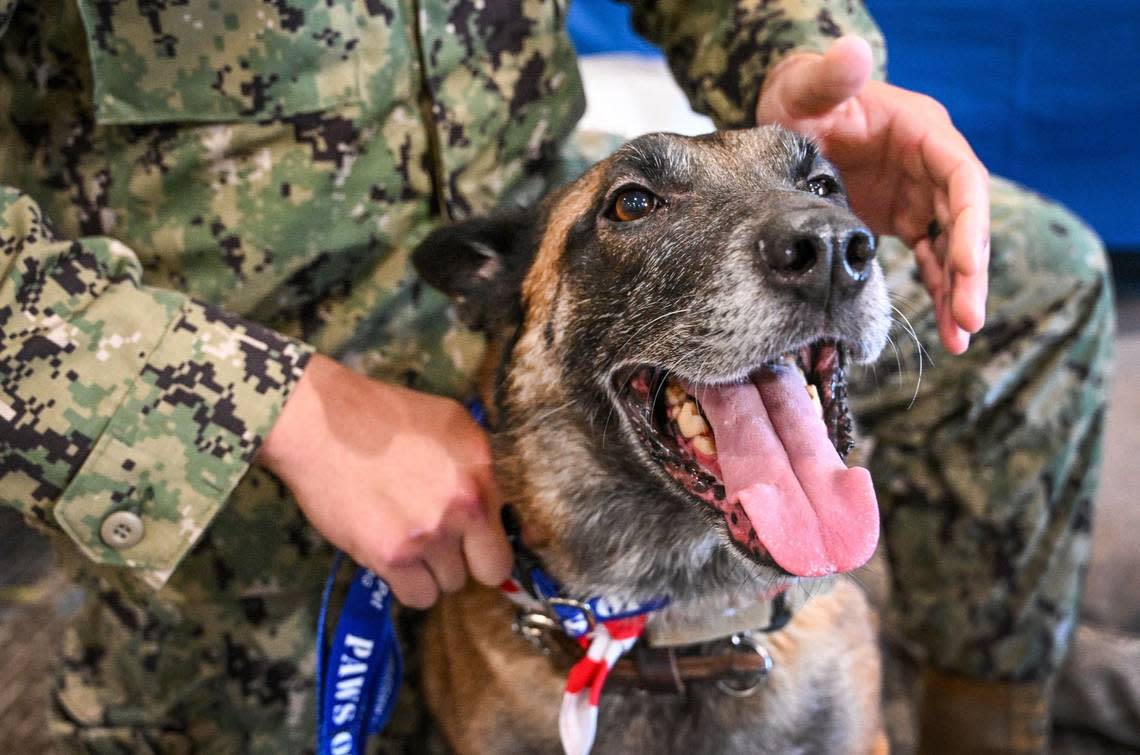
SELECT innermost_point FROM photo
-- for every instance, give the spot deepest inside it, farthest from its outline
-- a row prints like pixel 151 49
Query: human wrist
pixel 299 420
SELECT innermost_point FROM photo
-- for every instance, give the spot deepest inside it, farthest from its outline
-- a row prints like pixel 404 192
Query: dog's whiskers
pixel 528 425
pixel 610 413
pixel 635 334
pixel 644 326
pixel 920 350
pixel 551 412
pixel 898 359
pixel 894 296
pixel 914 333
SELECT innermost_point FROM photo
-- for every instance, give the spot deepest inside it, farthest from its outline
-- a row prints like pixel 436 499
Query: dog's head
pixel 667 332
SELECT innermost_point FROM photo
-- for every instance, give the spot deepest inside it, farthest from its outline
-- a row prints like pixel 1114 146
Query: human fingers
pixel 937 279
pixel 413 585
pixel 487 552
pixel 954 338
pixel 444 559
pixel 808 86
pixel 485 546
pixel 968 258
pixel 929 268
pixel 408 540
pixel 969 295
pixel 954 169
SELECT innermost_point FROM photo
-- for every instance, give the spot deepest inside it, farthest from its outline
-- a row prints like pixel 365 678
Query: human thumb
pixel 811 85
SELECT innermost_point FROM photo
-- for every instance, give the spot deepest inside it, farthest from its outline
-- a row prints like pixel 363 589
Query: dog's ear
pixel 480 264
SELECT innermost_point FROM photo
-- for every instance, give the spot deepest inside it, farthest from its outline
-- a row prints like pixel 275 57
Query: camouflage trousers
pixel 986 464
pixel 986 472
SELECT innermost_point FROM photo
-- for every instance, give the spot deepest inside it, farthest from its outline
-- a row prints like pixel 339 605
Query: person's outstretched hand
pixel 904 164
pixel 399 480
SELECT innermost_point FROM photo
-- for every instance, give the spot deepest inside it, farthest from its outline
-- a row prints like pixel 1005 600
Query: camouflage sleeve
pixel 127 413
pixel 721 50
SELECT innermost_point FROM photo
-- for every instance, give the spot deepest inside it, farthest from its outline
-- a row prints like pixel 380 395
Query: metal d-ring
pixel 577 605
pixel 747 643
pixel 535 627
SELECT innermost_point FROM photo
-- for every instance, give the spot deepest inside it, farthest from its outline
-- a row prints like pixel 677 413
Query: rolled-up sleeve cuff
pixel 184 434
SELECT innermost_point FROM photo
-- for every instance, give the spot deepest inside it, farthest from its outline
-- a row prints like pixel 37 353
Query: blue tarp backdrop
pixel 1047 91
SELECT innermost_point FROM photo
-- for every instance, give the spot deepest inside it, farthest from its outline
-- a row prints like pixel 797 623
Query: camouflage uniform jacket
pixel 204 192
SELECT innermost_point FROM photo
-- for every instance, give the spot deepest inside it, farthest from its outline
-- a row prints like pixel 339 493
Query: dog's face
pixel 654 326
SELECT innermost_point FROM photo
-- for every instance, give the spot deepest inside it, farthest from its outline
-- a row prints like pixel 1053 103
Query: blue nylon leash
pixel 358 678
pixel 322 620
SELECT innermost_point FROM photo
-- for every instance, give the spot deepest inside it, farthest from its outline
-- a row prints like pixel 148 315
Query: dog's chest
pixel 705 720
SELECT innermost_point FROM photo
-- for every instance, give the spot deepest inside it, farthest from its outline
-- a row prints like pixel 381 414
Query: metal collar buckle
pixel 536 628
pixel 746 685
pixel 575 605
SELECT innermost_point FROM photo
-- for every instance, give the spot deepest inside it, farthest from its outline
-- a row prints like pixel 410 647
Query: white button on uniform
pixel 122 529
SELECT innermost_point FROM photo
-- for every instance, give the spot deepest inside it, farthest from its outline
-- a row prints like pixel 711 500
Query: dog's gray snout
pixel 812 251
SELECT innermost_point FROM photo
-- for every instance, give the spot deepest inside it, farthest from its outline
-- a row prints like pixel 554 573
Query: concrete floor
pixel 35 600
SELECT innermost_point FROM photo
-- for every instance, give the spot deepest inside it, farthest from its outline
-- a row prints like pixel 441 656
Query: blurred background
pixel 1048 93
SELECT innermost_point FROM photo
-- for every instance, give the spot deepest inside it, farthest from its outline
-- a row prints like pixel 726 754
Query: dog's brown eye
pixel 823 186
pixel 632 204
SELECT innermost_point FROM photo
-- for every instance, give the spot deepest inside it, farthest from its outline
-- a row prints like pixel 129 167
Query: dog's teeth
pixel 690 421
pixel 674 394
pixel 814 393
pixel 705 445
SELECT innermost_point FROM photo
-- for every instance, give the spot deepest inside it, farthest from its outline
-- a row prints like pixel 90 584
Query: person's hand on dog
pixel 399 480
pixel 905 165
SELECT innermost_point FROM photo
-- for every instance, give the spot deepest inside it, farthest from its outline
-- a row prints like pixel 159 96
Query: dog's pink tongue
pixel 812 514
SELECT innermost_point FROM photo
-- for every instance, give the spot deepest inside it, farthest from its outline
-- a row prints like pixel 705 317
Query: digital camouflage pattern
pixel 162 412
pixel 720 51
pixel 986 474
pixel 276 161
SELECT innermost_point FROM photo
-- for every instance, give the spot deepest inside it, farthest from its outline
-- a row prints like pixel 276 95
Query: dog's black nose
pixel 813 251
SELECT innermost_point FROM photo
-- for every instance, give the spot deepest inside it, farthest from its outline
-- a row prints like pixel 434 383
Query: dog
pixel 665 335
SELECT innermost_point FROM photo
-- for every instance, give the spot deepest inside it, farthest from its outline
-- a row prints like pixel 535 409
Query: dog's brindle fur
pixel 571 300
